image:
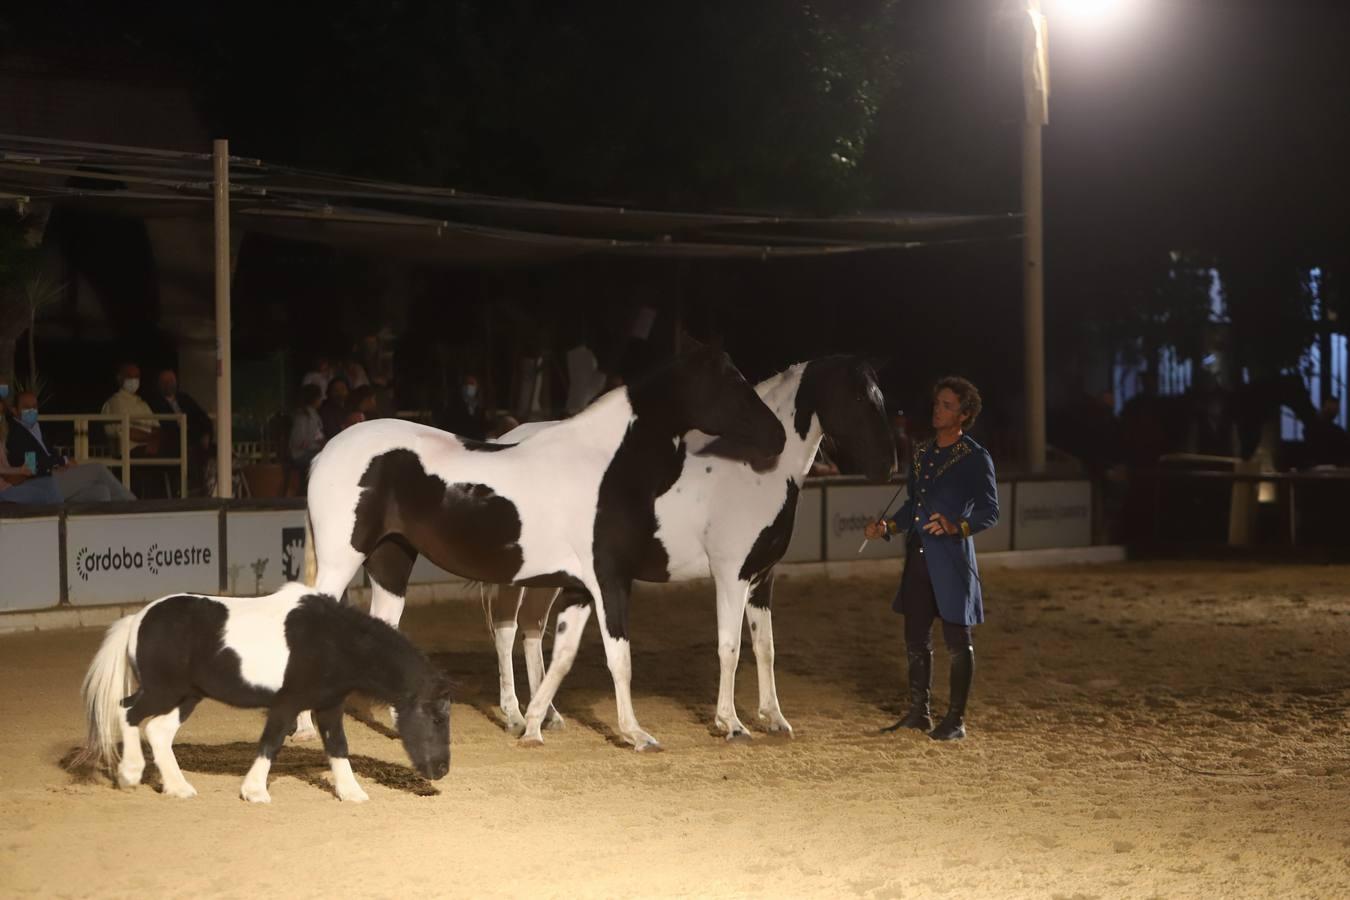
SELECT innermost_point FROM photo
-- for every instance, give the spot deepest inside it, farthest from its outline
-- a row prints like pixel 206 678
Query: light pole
pixel 1036 97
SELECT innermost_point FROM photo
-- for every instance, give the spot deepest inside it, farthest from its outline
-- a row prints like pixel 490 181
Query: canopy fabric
pixel 442 225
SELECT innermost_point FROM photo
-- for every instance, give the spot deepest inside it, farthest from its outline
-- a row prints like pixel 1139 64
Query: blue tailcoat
pixel 957 481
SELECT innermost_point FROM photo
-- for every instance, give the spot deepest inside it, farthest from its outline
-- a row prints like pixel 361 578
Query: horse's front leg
pixel 567 635
pixel 731 595
pixel 613 619
pixel 504 636
pixel 335 745
pixel 759 613
pixel 254 788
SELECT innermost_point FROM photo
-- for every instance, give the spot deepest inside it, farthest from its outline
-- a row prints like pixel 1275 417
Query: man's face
pixel 27 400
pixel 947 410
pixel 168 384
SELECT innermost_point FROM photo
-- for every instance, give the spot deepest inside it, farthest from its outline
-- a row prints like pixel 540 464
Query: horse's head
pixel 842 391
pixel 703 391
pixel 424 726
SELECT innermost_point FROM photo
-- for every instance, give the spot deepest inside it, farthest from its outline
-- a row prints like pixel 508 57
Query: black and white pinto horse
pixel 572 508
pixel 725 519
pixel 286 652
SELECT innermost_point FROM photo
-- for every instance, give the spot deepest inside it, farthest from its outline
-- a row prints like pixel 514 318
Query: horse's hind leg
pixel 504 637
pixel 160 731
pixel 335 745
pixel 254 788
pixel 535 604
pixel 567 635
pixel 132 765
pixel 759 613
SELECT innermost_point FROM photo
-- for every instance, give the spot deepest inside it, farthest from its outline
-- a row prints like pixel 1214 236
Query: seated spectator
pixel 144 437
pixel 21 484
pixel 355 373
pixel 168 399
pixel 322 374
pixel 465 414
pixel 83 483
pixel 333 410
pixel 307 437
pixel 361 400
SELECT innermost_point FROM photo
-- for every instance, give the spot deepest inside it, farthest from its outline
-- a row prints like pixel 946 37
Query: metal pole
pixel 224 408
pixel 1036 89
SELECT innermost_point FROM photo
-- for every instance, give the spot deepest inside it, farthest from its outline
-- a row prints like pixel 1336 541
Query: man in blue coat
pixel 952 497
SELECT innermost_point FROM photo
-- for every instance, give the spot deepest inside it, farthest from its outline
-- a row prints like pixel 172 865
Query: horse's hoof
pixel 530 741
pixel 304 735
pixel 255 795
pixel 131 779
pixel 554 721
pixel 739 736
pixel 647 744
pixel 515 729
pixel 353 795
pixel 774 723
pixel 182 791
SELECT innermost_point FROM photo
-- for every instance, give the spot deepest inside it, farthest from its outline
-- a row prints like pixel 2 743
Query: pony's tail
pixel 109 680
pixel 311 558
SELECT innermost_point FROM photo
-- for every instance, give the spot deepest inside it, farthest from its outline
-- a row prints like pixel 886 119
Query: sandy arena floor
pixel 1145 730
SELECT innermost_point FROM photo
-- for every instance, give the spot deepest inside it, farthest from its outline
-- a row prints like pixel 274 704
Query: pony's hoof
pixel 776 724
pixel 353 794
pixel 129 779
pixel 554 721
pixel 530 741
pixel 182 791
pixel 515 729
pixel 254 794
pixel 739 736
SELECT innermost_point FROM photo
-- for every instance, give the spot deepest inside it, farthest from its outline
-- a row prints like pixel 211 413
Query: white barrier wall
pixel 805 544
pixel 129 558
pixel 848 509
pixel 30 563
pixel 132 558
pixel 1053 514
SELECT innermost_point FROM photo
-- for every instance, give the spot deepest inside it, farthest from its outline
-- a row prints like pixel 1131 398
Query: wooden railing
pixel 81 446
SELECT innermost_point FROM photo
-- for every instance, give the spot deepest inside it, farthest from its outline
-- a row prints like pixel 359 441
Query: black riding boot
pixel 953 727
pixel 920 688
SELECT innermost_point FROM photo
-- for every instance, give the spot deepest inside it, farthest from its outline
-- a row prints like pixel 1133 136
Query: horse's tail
pixel 109 680
pixel 311 558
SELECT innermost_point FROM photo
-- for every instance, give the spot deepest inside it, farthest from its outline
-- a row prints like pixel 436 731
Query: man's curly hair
pixel 965 392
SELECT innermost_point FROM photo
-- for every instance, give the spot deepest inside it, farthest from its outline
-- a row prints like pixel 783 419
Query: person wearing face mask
pixel 952 497
pixel 83 483
pixel 144 437
pixel 167 399
pixel 20 483
pixel 465 413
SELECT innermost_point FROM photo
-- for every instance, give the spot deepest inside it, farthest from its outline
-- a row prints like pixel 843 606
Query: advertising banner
pixel 30 560
pixel 131 558
pixel 805 544
pixel 998 538
pixel 266 549
pixel 1053 514
pixel 848 509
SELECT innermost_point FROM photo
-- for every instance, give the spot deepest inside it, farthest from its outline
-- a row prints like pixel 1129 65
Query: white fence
pixel 83 450
pixel 118 553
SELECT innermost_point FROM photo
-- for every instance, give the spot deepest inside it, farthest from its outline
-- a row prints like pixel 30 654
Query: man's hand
pixel 874 530
pixel 939 524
